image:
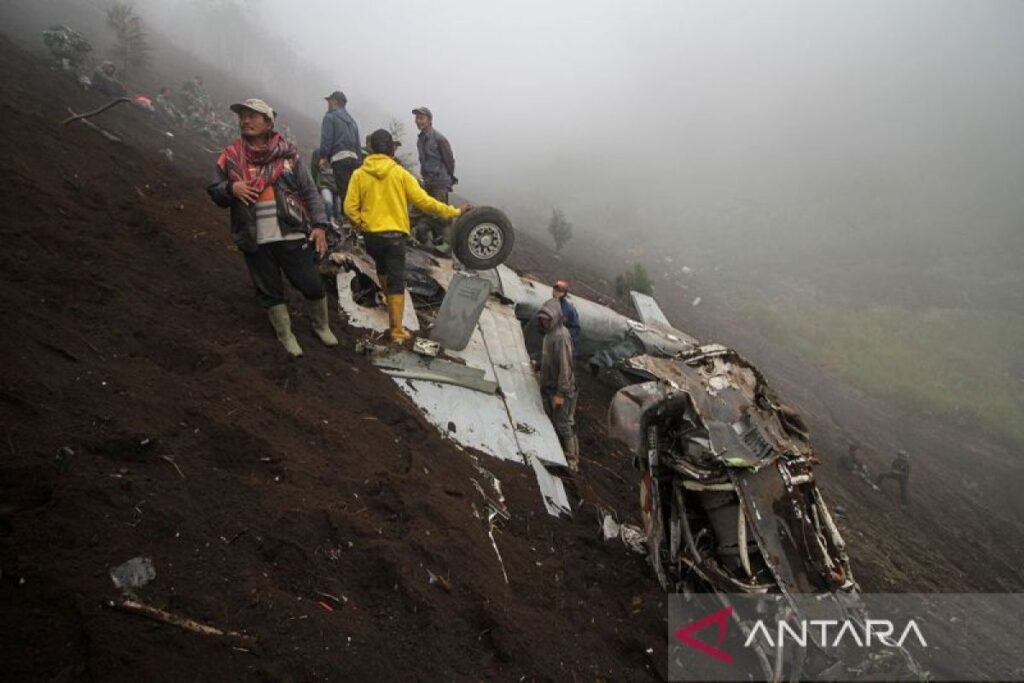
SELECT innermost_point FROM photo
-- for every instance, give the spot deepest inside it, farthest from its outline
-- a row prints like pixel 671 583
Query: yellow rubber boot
pixel 396 312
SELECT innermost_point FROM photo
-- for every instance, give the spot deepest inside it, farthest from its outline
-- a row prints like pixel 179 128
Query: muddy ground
pixel 255 483
pixel 260 486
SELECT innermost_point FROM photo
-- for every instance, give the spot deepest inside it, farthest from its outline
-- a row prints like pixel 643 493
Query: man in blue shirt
pixel 340 148
pixel 570 316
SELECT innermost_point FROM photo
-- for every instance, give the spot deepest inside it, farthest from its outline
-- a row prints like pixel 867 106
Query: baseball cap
pixel 256 105
pixel 338 96
pixel 423 110
pixel 381 142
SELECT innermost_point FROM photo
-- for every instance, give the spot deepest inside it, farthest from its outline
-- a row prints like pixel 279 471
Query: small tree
pixel 635 279
pixel 560 229
pixel 131 47
pixel 397 130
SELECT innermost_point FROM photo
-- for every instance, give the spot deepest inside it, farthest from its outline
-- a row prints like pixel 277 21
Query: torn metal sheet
pixel 552 490
pixel 606 337
pixel 507 351
pixel 460 310
pixel 510 284
pixel 369 317
pixel 461 401
pixel 649 311
pixel 402 363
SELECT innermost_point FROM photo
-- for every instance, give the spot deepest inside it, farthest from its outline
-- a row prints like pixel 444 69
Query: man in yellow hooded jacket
pixel 377 203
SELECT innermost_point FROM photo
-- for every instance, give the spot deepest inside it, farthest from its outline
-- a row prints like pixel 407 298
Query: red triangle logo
pixel 721 618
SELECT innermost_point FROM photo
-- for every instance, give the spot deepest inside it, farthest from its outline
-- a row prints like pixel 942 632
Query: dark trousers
pixel 387 249
pixel 903 481
pixel 427 224
pixel 342 174
pixel 562 419
pixel 296 259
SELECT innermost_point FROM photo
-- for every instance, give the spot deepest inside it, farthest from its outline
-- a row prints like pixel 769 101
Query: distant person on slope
pixel 377 203
pixel 900 471
pixel 339 141
pixel 558 380
pixel 104 79
pixel 323 176
pixel 273 202
pixel 437 169
pixel 570 316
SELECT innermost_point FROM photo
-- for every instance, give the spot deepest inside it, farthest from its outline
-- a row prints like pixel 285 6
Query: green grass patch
pixel 960 365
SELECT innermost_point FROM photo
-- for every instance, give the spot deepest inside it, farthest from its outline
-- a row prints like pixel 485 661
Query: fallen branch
pixel 144 610
pixel 605 468
pixel 94 112
pixel 171 460
pixel 89 124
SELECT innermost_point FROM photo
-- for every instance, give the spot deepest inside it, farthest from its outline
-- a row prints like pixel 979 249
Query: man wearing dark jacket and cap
pixel 558 380
pixel 276 213
pixel 339 141
pixel 437 169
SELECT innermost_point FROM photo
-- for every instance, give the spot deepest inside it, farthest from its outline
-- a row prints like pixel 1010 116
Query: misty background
pixel 844 176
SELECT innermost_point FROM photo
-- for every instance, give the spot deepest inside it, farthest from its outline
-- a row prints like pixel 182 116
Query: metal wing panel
pixel 479 420
pixel 534 432
pixel 648 310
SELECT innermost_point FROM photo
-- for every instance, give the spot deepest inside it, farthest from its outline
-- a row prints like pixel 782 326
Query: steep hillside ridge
pixel 256 484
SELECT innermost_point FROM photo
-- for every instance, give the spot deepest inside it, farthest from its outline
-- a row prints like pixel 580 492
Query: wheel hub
pixel 485 240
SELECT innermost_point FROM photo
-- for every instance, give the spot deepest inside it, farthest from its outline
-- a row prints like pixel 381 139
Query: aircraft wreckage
pixel 727 489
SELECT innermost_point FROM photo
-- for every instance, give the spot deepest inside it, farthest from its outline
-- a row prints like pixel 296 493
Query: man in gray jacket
pixel 437 169
pixel 339 141
pixel 558 380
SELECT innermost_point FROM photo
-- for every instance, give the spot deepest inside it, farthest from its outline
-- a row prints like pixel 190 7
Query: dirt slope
pixel 130 335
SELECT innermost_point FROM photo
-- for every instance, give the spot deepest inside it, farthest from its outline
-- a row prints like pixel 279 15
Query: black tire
pixel 482 238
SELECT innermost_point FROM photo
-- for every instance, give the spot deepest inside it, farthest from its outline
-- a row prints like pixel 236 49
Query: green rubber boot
pixel 282 325
pixel 318 312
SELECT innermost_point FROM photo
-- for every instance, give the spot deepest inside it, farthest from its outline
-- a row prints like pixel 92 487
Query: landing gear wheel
pixel 482 238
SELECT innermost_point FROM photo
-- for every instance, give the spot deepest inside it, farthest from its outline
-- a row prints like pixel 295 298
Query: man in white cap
pixel 276 214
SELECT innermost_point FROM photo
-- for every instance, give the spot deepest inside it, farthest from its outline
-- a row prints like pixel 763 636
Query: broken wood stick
pixel 171 460
pixel 89 124
pixel 144 610
pixel 93 112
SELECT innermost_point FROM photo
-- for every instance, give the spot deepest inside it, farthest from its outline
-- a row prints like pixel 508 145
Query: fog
pixel 743 130
pixel 842 179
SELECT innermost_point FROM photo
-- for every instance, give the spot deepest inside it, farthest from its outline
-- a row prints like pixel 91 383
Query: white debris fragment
pixel 696 302
pixel 631 535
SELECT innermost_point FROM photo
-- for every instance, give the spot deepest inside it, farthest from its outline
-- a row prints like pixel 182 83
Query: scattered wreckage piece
pixel 483 395
pixel 648 310
pixel 460 310
pixel 730 503
pixel 358 290
pixel 407 365
pixel 607 336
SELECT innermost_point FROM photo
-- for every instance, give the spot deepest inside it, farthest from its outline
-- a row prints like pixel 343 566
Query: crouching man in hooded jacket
pixel 558 380
pixel 276 215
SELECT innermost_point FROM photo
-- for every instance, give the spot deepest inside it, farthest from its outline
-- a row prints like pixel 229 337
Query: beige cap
pixel 256 105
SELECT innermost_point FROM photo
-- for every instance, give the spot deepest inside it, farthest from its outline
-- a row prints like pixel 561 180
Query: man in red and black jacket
pixel 276 216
